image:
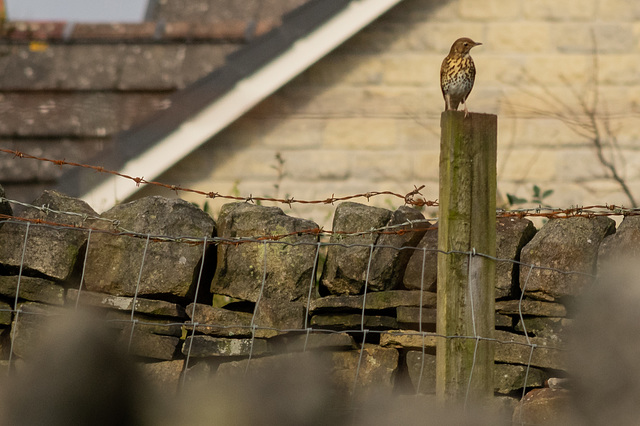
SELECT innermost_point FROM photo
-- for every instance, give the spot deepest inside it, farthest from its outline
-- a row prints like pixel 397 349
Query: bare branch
pixel 586 121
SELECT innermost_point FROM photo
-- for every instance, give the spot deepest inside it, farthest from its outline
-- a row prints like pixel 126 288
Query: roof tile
pixel 128 31
pixel 160 62
pixel 78 114
pixel 166 66
pixel 59 67
pixel 229 30
pixel 30 30
pixel 201 59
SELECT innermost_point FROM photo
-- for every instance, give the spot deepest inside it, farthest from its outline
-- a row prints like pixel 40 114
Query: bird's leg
pixel 466 111
pixel 447 102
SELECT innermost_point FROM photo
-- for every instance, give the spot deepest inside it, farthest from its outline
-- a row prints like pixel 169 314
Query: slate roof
pixel 67 89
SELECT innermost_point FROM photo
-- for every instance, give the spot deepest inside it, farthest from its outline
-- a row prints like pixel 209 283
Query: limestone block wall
pixel 360 306
pixel 366 117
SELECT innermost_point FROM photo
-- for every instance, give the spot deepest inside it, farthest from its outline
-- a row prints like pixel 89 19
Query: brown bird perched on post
pixel 457 74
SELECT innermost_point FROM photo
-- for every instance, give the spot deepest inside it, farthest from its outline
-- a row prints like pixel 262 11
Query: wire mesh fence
pixel 192 327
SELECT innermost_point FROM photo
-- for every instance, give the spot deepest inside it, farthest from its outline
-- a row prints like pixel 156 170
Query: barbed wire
pixel 574 211
pixel 415 225
pixel 410 197
pixel 408 226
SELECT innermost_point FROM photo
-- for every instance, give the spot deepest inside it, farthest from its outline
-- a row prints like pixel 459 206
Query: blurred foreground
pixel 79 376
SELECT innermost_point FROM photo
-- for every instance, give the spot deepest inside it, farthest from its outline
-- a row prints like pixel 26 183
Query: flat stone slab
pixel 547 327
pixel 315 341
pixel 411 315
pixel 291 377
pixel 221 322
pixel 407 339
pixel 122 303
pixel 32 289
pixel 279 316
pixel 144 323
pixel 209 346
pixel 509 377
pixel 514 349
pixel 375 301
pixel 353 322
pixel 336 370
pixel 531 307
pixel 503 320
pixel 148 345
pixel 206 315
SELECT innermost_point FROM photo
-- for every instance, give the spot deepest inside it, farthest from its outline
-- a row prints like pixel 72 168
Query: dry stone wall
pixel 284 293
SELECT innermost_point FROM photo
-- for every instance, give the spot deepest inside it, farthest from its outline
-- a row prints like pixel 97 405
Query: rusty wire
pixel 412 197
pixel 565 213
pixel 120 231
pixel 115 227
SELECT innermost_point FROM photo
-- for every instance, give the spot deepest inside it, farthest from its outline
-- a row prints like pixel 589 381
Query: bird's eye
pixel 466 44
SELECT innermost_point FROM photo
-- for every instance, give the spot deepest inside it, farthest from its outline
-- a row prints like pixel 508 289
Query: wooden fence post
pixel 467 222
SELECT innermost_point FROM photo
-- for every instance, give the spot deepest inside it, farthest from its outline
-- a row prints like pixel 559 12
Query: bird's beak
pixel 478 44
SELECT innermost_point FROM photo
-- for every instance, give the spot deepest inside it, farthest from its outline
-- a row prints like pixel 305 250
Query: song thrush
pixel 457 74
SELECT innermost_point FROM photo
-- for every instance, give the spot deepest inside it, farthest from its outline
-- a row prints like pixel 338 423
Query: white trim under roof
pixel 244 96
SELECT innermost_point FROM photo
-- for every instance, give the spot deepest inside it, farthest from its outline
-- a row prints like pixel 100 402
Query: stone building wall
pixel 366 117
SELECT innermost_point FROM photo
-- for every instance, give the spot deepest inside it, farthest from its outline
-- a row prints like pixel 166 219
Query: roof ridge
pixel 149 31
